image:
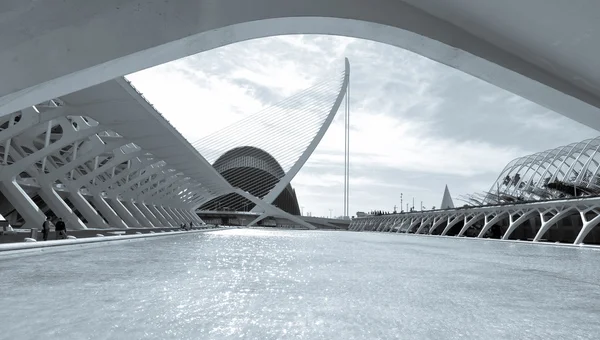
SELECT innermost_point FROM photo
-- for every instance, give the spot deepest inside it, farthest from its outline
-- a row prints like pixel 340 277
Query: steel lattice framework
pixel 568 171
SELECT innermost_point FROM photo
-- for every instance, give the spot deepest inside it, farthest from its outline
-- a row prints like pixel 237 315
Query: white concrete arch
pixel 92 42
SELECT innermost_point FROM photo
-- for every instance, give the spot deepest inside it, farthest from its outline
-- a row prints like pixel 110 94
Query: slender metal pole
pixel 347 151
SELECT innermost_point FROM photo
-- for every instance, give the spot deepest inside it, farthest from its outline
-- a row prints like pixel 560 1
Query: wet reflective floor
pixel 269 284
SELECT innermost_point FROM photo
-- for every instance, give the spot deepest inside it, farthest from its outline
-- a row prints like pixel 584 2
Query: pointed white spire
pixel 447 200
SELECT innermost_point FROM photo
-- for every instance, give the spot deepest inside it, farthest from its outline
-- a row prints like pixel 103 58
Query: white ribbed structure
pixel 567 171
pixel 83 157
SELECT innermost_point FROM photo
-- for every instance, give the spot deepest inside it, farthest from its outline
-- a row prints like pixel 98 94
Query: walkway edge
pixel 11 249
pixel 482 239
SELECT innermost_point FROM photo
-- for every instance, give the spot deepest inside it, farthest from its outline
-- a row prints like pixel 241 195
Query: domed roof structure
pixel 255 171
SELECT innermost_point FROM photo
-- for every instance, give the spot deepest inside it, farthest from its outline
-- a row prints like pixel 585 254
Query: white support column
pixel 144 209
pixel 139 216
pixel 392 224
pixel 82 204
pixel 413 224
pixel 388 223
pixel 163 220
pixel 84 207
pixel 405 220
pixel 452 223
pixel 174 220
pixel 113 219
pixel 470 222
pixel 424 222
pixel 436 223
pixel 179 215
pixel 123 213
pixel 23 204
pixel 490 222
pixel 178 218
pixel 363 225
pixel 381 222
pixel 513 224
pixel 50 197
pixel 46 143
pixel 60 208
pixel 194 216
pixel 11 122
pixel 588 225
pixel 185 214
pixel 546 224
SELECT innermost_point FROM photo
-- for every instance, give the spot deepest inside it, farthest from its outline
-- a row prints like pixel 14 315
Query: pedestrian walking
pixel 61 230
pixel 46 228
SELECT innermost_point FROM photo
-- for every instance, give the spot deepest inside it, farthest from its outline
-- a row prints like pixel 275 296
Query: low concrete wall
pixel 20 235
pixel 478 239
pixel 23 248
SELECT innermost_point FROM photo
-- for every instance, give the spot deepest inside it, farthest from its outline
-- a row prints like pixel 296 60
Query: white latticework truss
pixel 568 171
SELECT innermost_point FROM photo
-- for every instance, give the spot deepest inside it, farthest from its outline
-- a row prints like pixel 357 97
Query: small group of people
pixel 60 229
pixel 186 226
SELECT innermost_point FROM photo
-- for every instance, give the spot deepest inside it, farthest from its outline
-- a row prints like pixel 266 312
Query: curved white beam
pixel 91 42
pixel 280 186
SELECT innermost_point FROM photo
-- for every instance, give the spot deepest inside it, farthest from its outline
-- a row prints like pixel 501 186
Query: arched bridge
pixel 571 221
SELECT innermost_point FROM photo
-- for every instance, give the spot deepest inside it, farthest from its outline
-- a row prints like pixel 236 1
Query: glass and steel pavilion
pixel 568 171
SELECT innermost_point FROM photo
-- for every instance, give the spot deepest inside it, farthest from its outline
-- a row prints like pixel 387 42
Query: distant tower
pixel 447 200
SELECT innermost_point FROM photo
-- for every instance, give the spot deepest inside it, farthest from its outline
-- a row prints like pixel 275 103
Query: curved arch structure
pixel 551 60
pixel 567 171
pixel 243 167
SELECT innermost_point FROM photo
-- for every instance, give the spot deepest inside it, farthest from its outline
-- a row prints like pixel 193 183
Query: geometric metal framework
pixel 566 221
pixel 568 171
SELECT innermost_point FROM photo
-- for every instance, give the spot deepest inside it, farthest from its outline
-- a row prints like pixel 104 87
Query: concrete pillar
pixel 168 216
pixel 144 209
pixel 23 203
pixel 115 221
pixel 163 220
pixel 184 216
pixel 144 221
pixel 180 218
pixel 60 208
pixel 189 215
pixel 84 207
pixel 125 214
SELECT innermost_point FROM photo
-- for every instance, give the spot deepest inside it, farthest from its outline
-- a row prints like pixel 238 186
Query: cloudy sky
pixel 416 125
